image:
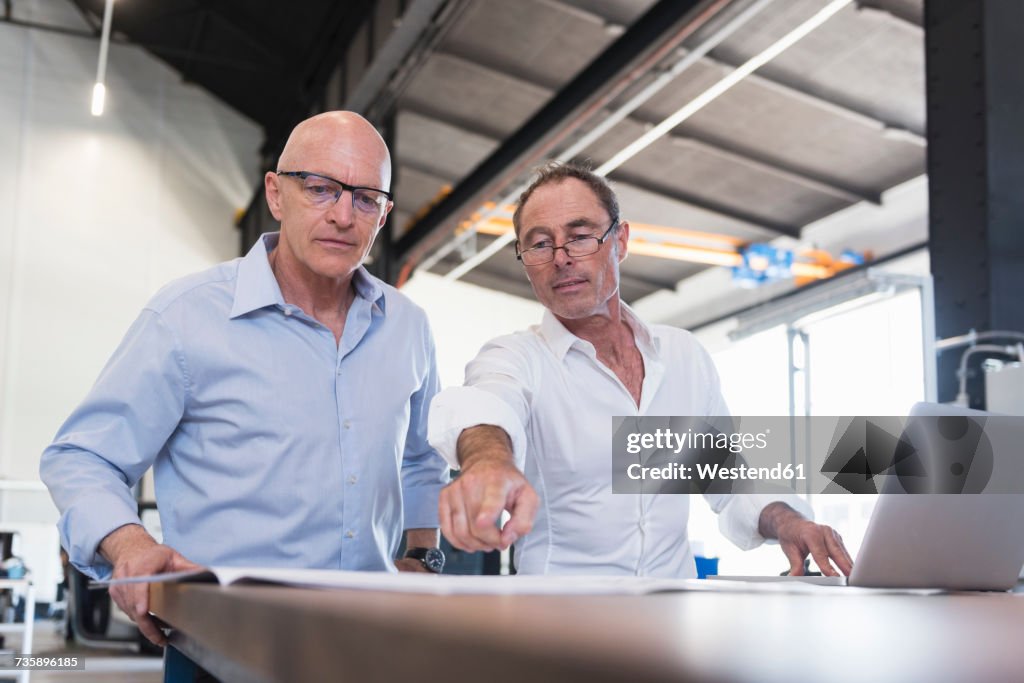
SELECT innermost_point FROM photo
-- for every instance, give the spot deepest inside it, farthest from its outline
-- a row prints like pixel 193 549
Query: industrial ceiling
pixel 835 120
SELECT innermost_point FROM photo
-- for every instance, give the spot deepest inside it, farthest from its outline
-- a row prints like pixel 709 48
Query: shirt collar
pixel 368 287
pixel 560 340
pixel 646 339
pixel 256 287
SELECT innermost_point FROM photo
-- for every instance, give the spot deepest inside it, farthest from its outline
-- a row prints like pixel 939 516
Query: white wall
pixel 464 317
pixel 95 215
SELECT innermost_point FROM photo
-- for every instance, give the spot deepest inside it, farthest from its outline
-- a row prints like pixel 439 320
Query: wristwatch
pixel 432 558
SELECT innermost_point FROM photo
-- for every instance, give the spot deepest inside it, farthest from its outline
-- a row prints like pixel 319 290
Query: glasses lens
pixel 536 256
pixel 369 201
pixel 582 246
pixel 321 191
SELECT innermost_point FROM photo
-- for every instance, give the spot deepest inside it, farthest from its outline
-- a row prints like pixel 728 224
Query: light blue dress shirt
pixel 271 444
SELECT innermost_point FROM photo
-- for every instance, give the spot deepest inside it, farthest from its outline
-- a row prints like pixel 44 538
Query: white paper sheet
pixel 433 584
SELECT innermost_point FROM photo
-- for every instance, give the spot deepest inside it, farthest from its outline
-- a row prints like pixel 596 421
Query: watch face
pixel 434 560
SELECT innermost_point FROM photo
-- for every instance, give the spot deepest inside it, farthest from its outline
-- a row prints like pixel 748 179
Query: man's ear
pixel 622 240
pixel 272 189
pixel 384 216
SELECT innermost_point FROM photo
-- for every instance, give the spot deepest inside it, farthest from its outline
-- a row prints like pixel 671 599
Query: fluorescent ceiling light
pixel 99 91
pixel 721 87
pixel 99 94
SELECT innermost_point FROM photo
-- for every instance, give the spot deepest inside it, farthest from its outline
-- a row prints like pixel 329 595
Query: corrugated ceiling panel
pixel 472 96
pixel 544 42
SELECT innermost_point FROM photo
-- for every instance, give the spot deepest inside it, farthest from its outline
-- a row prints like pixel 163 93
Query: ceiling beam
pixel 798 177
pixel 822 102
pixel 745 157
pixel 195 44
pixel 326 52
pixel 647 42
pixel 904 18
pixel 520 286
pixel 414 27
pixel 724 211
pixel 94 22
pixel 454 119
pixel 52 28
pixel 482 277
pixel 247 30
pixel 636 282
pixel 683 197
pixel 424 169
pixel 89 34
pixel 742 157
pixel 584 13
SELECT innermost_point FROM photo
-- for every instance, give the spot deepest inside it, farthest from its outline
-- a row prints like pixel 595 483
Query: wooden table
pixel 289 634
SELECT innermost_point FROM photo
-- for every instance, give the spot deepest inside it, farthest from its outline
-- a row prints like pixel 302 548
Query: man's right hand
pixel 489 482
pixel 133 552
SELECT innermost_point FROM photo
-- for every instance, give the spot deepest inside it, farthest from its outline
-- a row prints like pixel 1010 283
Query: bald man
pixel 280 398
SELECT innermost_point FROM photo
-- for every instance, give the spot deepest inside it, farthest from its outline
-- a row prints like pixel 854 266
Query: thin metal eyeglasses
pixel 544 251
pixel 323 191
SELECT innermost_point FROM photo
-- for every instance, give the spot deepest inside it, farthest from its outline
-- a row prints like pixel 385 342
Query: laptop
pixel 953 541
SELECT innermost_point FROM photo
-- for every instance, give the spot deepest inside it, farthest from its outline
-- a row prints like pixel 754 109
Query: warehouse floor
pixel 101 665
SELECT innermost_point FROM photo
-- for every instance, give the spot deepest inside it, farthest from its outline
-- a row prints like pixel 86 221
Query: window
pixel 862 348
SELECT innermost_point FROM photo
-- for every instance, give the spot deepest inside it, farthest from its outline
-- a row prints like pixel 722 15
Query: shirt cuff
pixel 81 534
pixel 419 507
pixel 458 408
pixel 740 519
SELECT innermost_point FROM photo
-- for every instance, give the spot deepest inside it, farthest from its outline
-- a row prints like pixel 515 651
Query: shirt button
pixel 350 534
pixel 288 311
pixel 353 479
pixel 346 424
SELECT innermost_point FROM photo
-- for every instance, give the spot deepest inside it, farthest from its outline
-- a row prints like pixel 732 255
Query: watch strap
pixel 421 555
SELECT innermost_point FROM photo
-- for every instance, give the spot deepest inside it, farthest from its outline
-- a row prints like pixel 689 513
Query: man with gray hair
pixel 281 398
pixel 531 427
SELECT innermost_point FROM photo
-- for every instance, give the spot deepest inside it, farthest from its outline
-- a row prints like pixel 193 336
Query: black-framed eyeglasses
pixel 323 191
pixel 544 251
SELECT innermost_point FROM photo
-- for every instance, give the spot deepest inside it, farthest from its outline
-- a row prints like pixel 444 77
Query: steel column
pixel 975 92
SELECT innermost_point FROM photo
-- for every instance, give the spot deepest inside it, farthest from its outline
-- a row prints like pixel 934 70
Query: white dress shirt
pixel 548 390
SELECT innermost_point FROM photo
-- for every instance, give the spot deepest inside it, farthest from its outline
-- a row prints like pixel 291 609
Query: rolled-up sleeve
pixel 496 392
pixel 739 514
pixel 113 437
pixel 424 473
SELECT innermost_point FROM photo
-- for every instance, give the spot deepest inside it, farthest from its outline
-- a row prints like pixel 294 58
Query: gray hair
pixel 556 172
